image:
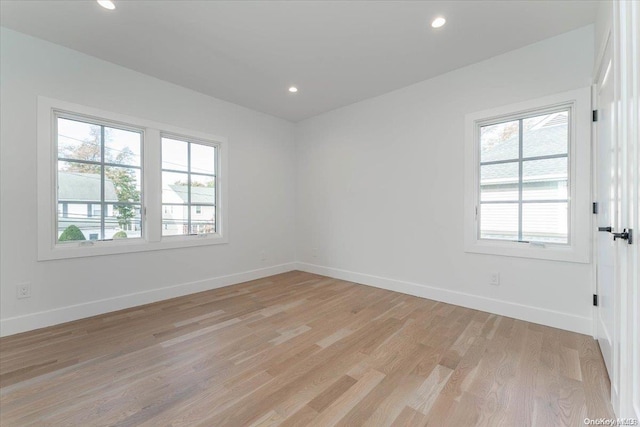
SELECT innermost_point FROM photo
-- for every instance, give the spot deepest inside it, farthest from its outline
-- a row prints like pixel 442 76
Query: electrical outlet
pixel 23 290
pixel 314 252
pixel 263 256
pixel 494 279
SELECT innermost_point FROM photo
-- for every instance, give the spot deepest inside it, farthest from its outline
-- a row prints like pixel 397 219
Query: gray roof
pixel 85 187
pixel 199 195
pixel 537 142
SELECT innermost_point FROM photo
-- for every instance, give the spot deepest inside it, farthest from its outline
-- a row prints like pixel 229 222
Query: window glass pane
pixel 203 189
pixel 122 147
pixel 175 220
pixel 502 173
pixel 499 182
pixel 175 187
pixel 174 154
pixel 499 221
pixel 75 224
pixel 203 159
pixel 78 140
pixel 499 142
pixel 499 193
pixel 122 221
pixel 545 179
pixel 122 184
pixel 78 182
pixel 204 221
pixel 545 222
pixel 545 135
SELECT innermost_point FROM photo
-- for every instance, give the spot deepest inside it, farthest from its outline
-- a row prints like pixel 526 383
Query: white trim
pixel 579 248
pixel 594 198
pixel 152 182
pixel 556 319
pixel 28 322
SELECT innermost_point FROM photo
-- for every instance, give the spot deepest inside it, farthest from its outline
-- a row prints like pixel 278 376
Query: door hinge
pixel 594 115
pixel 594 208
pixel 595 300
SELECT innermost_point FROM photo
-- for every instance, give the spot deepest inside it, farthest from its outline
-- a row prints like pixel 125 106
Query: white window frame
pixel 49 249
pixel 191 140
pixel 579 248
pixel 66 115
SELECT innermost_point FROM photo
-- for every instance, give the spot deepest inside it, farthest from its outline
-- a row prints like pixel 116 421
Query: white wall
pixel 261 189
pixel 380 189
pixel 376 188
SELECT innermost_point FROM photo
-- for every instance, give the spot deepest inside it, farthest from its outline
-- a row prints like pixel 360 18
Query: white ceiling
pixel 336 52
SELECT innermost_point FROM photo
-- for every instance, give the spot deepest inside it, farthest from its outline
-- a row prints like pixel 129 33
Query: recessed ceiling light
pixel 107 4
pixel 293 89
pixel 438 22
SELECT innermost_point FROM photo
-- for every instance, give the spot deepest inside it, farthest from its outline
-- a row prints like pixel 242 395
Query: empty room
pixel 319 213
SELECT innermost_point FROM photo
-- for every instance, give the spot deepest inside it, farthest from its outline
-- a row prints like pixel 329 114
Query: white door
pixel 606 197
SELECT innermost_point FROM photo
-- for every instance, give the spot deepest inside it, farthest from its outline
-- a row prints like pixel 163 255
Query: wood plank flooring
pixel 298 349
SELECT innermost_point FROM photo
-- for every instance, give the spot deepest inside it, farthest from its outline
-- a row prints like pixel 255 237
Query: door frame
pixel 605 71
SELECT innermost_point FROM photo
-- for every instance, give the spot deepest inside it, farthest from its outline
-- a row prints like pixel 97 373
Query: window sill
pixel 529 250
pixel 80 250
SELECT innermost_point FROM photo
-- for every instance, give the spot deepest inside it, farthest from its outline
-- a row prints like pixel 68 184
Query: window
pixel 99 170
pixel 527 187
pixel 95 210
pixel 524 174
pixel 110 183
pixel 188 185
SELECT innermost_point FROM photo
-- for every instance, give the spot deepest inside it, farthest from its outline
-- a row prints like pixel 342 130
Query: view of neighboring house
pixel 79 205
pixel 544 183
pixel 175 212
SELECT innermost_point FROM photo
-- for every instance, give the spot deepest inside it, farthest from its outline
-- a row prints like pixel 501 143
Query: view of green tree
pixel 123 179
pixel 120 235
pixel 71 233
pixel 125 183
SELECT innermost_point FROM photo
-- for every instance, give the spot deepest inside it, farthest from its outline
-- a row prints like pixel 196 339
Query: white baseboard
pixel 28 322
pixel 532 314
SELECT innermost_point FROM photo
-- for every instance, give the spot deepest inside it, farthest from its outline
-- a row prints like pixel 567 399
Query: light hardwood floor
pixel 299 349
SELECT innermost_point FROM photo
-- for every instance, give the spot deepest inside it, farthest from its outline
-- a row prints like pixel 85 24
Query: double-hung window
pixel 110 183
pixel 527 186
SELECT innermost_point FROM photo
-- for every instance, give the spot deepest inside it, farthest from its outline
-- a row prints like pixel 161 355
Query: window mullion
pixel 102 173
pixel 189 188
pixel 216 201
pixel 152 186
pixel 520 173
